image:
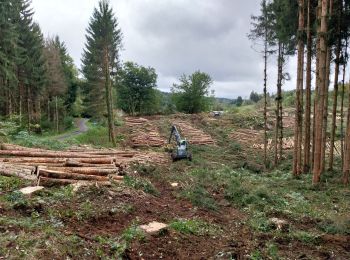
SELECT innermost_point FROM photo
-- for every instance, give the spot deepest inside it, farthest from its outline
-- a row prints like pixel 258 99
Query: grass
pixel 140 184
pixel 194 227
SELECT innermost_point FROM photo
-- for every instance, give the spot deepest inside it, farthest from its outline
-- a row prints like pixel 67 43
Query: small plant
pixel 86 211
pixel 9 183
pixel 200 197
pixel 194 227
pixel 140 184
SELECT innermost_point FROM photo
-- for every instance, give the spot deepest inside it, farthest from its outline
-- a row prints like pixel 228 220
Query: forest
pixel 87 167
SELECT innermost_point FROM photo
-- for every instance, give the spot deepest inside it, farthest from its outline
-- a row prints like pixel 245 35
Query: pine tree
pixel 262 29
pixel 100 61
pixel 8 56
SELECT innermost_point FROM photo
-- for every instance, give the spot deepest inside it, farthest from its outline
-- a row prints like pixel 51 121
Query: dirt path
pixel 80 123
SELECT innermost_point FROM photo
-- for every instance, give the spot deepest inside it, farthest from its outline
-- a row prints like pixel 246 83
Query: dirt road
pixel 79 123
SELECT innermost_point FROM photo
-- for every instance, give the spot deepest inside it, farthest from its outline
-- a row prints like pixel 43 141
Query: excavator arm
pixel 175 132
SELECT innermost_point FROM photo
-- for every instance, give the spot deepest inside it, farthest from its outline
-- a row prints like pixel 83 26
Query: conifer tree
pixel 100 61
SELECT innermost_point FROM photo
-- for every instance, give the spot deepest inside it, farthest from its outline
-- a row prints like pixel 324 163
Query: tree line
pixel 40 86
pixel 317 32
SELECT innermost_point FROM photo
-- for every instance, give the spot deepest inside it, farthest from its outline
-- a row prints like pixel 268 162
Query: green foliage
pixel 140 184
pixel 103 44
pixel 23 138
pixel 95 135
pixel 239 101
pixel 191 95
pixel 200 197
pixel 194 227
pixel 136 89
pixel 9 183
pixel 255 97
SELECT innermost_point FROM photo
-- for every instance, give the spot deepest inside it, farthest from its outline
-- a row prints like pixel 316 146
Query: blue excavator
pixel 181 150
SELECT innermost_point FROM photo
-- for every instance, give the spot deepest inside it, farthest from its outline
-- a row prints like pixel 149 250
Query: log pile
pixel 194 135
pixel 247 136
pixel 49 168
pixel 255 139
pixel 144 134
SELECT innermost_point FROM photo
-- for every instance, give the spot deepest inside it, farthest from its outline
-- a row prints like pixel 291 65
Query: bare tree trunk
pixel 335 96
pixel 325 113
pixel 278 100
pixel 322 31
pixel 28 108
pixel 265 99
pixel 109 99
pixel 297 164
pixel 342 106
pixel 56 112
pixel 307 139
pixel 280 105
pixel 346 164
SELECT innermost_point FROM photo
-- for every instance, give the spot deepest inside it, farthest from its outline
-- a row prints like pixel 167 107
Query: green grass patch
pixel 96 136
pixel 194 227
pixel 140 184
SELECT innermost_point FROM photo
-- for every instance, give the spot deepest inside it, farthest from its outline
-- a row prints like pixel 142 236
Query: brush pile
pixel 50 168
pixel 194 135
pixel 144 134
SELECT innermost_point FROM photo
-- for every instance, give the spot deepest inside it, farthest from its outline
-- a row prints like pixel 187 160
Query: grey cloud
pixel 173 36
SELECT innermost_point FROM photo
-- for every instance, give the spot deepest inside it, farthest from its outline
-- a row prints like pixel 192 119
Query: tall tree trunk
pixel 280 105
pixel 335 91
pixel 56 111
pixel 28 108
pixel 342 106
pixel 320 102
pixel 307 138
pixel 278 100
pixel 109 99
pixel 297 164
pixel 346 164
pixel 265 99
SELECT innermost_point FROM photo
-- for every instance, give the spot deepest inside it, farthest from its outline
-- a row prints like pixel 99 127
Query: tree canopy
pixel 136 89
pixel 191 95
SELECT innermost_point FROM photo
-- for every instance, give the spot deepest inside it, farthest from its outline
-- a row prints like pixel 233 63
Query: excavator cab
pixel 181 150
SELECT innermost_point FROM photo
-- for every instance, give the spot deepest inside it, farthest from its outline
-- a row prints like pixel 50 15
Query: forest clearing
pixel 104 158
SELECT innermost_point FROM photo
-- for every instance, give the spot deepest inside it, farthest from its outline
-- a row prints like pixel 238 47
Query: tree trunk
pixel 299 99
pixel 346 164
pixel 265 99
pixel 28 108
pixel 56 108
pixel 307 139
pixel 108 100
pixel 325 112
pixel 280 105
pixel 320 101
pixel 342 106
pixel 335 96
pixel 278 97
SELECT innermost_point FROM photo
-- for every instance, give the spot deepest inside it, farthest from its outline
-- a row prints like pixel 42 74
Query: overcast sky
pixel 175 37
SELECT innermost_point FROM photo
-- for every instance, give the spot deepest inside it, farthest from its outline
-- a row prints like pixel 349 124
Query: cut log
pixel 49 182
pixel 69 175
pixel 48 154
pixel 23 173
pixel 84 170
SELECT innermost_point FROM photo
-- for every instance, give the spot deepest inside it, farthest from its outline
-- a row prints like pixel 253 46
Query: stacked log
pixel 193 135
pixel 131 121
pixel 144 134
pixel 50 168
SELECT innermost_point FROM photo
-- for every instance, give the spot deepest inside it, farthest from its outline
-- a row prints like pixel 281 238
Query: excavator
pixel 181 151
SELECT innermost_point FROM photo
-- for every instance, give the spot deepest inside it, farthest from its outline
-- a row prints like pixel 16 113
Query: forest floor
pixel 222 205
